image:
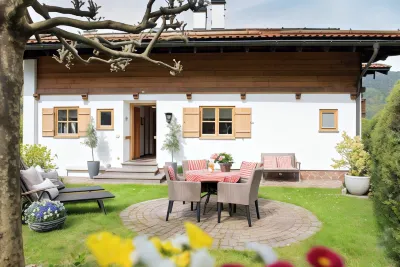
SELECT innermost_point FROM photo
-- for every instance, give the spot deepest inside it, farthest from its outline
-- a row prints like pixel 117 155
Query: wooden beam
pixel 136 96
pixel 243 96
pixel 298 96
pixel 85 97
pixel 189 96
pixel 36 97
pixel 353 96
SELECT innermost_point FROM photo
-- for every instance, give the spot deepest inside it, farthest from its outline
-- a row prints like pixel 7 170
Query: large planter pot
pixel 48 226
pixel 357 185
pixel 174 165
pixel 93 168
pixel 225 167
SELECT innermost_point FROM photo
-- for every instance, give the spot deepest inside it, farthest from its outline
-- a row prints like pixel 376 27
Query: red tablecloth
pixel 216 176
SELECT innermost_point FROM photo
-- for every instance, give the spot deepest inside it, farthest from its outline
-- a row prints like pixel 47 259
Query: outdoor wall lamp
pixel 168 116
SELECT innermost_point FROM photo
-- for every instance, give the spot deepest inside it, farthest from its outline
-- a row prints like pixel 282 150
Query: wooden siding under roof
pixel 306 72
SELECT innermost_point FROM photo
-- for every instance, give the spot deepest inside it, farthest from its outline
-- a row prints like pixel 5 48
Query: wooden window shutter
pixel 243 122
pixel 83 120
pixel 191 122
pixel 48 122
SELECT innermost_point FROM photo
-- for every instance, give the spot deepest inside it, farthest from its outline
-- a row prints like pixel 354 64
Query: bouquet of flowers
pixel 190 250
pixel 222 158
pixel 44 211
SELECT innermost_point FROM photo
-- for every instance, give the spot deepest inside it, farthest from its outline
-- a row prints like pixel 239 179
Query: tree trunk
pixel 11 82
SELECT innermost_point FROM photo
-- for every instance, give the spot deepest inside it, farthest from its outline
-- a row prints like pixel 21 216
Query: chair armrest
pixel 38 190
pixel 184 191
pixel 234 193
pixel 298 164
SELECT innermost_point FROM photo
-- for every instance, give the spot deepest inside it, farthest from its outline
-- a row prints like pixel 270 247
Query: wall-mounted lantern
pixel 168 117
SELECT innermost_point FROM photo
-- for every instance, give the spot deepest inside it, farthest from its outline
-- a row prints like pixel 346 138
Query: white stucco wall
pixel 30 107
pixel 280 124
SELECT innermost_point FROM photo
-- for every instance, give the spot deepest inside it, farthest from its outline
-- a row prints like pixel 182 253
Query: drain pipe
pixel 376 47
pixel 359 84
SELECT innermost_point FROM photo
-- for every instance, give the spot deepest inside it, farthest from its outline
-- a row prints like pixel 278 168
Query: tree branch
pixel 71 11
pixel 177 68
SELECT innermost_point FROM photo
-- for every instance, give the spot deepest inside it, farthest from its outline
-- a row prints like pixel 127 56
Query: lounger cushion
pixel 47 183
pixel 284 162
pixel 270 162
pixel 197 164
pixel 31 177
pixel 53 177
pixel 247 168
pixel 171 173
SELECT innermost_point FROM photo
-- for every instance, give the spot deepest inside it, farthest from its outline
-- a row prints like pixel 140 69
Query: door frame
pixel 132 128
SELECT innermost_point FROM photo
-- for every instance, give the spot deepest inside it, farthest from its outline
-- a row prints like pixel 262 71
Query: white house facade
pixel 229 100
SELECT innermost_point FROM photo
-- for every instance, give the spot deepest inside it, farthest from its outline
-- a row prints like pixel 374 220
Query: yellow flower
pixel 181 260
pixel 110 249
pixel 156 242
pixel 168 248
pixel 197 237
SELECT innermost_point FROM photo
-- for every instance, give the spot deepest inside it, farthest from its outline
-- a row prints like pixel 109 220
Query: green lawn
pixel 348 227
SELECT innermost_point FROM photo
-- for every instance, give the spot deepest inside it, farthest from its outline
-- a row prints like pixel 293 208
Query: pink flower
pixel 280 264
pixel 214 156
pixel 324 257
pixel 221 158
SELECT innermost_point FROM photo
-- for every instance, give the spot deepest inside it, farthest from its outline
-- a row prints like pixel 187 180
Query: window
pixel 328 120
pixel 217 122
pixel 67 121
pixel 105 119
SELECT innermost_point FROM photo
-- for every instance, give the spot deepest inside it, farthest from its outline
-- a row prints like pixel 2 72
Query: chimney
pixel 200 19
pixel 218 14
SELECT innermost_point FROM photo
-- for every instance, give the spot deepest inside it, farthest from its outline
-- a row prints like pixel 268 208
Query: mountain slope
pixel 377 90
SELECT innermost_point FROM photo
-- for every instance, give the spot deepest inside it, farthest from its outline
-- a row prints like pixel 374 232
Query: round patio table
pixel 208 178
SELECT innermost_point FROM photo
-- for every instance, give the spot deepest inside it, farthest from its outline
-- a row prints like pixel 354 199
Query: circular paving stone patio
pixel 281 223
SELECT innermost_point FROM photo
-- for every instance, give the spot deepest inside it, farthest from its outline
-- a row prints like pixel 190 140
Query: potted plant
pixel 225 161
pixel 91 141
pixel 45 216
pixel 357 161
pixel 171 142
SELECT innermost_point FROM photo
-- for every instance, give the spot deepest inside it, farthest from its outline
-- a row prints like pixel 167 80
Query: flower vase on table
pixel 224 160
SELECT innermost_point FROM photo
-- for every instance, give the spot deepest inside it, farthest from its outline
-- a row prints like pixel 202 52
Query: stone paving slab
pixel 281 224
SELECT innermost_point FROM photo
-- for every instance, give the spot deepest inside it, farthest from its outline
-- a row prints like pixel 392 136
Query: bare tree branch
pixel 71 11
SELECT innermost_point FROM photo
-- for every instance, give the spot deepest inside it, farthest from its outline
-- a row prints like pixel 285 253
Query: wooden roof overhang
pixel 255 40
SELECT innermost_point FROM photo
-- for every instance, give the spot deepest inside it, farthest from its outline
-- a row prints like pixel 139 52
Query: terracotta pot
pixel 225 167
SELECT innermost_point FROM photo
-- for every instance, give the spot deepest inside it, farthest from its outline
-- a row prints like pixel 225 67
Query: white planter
pixel 357 185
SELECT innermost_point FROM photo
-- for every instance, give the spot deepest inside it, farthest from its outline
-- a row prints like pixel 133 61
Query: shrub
pixel 44 211
pixel 354 157
pixel 37 155
pixel 91 139
pixel 386 173
pixel 368 125
pixel 171 142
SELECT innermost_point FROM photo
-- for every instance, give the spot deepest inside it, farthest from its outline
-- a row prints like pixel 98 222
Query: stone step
pixel 130 176
pixel 135 169
pixel 131 164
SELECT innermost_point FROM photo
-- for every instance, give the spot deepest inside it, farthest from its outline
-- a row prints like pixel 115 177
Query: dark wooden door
pixel 136 135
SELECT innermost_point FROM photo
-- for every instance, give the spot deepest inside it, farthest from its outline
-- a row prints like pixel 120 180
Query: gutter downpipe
pixel 376 47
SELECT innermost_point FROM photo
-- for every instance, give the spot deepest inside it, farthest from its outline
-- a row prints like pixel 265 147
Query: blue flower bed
pixel 44 211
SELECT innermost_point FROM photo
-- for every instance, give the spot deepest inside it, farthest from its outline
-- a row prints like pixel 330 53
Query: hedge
pixel 385 175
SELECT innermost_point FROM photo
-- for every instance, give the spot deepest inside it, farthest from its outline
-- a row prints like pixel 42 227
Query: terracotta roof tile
pixel 258 33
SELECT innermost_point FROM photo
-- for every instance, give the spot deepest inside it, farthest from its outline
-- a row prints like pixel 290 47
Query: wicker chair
pixel 241 194
pixel 183 191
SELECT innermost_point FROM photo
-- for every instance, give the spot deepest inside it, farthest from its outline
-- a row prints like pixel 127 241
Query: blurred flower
pixel 324 257
pixel 232 265
pixel 221 158
pixel 197 238
pixel 265 252
pixel 281 264
pixel 202 258
pixel 110 249
pixel 182 260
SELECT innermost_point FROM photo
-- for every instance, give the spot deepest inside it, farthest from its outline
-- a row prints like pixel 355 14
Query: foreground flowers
pixel 190 250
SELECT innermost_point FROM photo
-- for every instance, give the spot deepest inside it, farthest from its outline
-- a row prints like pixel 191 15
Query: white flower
pixel 147 254
pixel 180 241
pixel 265 252
pixel 202 258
